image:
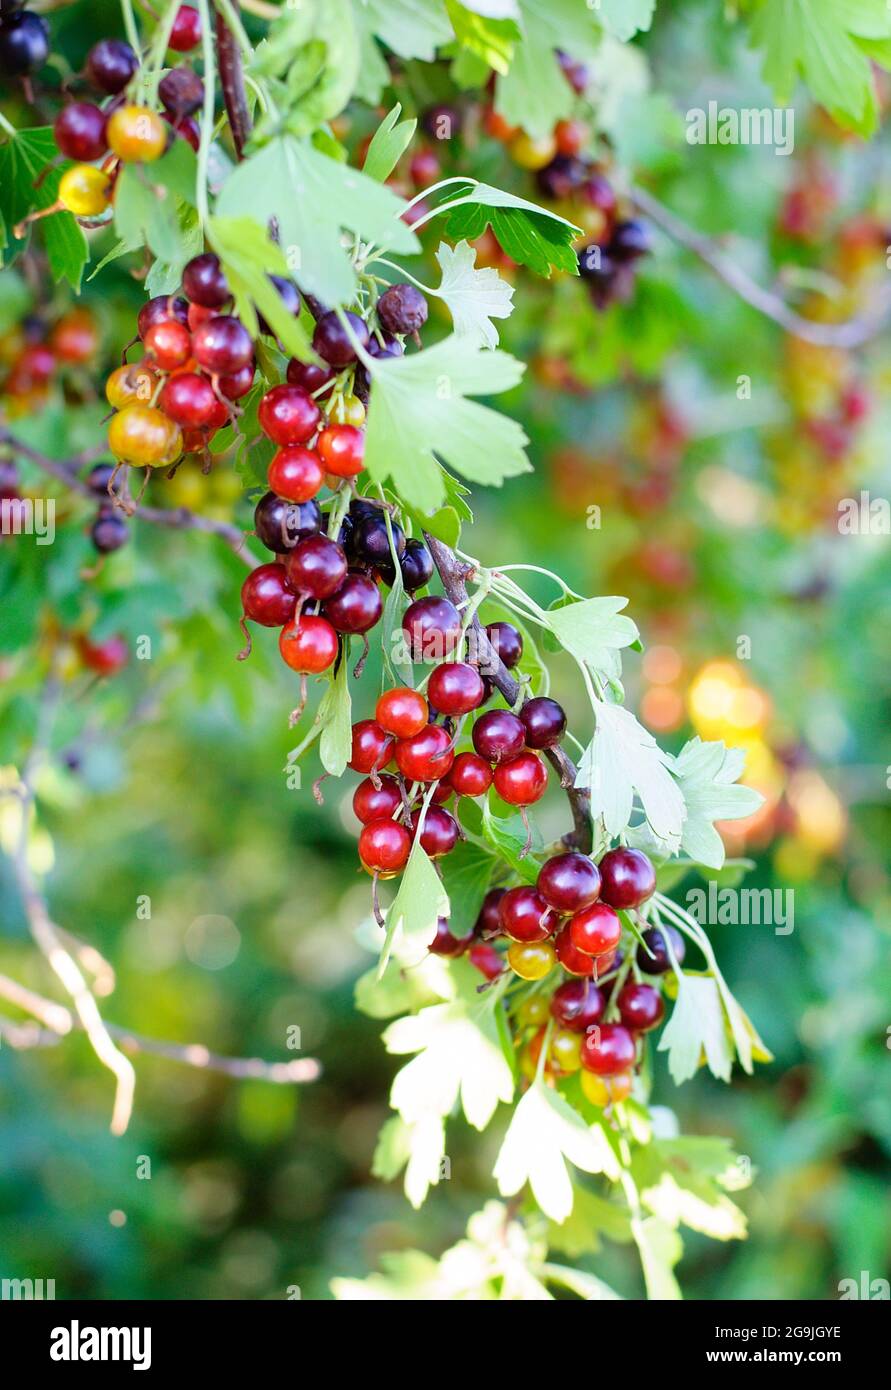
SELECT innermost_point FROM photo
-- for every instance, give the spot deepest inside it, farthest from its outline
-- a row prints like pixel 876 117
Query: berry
pixel 433 628
pixel 186 126
pixel 371 540
pixel 186 32
pixel 402 309
pixel 455 688
pixel 532 153
pixel 309 644
pixel 105 658
pixel 605 1092
pixel 521 781
pixel 109 531
pixel 561 177
pixel 288 293
pixel 384 847
pixel 295 473
pixel 75 337
pixel 630 240
pixel 426 756
pixel 487 960
pixel 279 525
pixel 169 343
pixel 575 962
pixel 287 415
pixel 595 930
pixel 99 477
pixel 652 955
pixel 371 747
pixel 163 306
pixel 402 712
pixel 110 65
pixel 142 436
pixel 507 642
pixel 237 384
pixel 444 944
pixel 308 375
pixel 390 347
pixel 266 598
pixel 525 916
pixel 640 1007
pixel 222 345
pixel 598 192
pixel 24 44
pixel 628 878
pixel 544 721
pixel 356 606
pixel 440 833
pixel 79 131
pixel 578 1005
pixel 531 960
pixel 316 567
pixel 569 881
pixel 498 736
pixel 187 398
pixel 136 134
pixel 341 448
pixel 84 191
pixel 416 565
pixel 331 340
pixel 379 802
pixel 423 168
pixel 182 93
pixel 488 922
pixel 204 282
pixel 609 1048
pixel 441 121
pixel 570 136
pixel 471 775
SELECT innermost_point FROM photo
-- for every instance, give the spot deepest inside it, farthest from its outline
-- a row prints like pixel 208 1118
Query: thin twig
pixel 849 334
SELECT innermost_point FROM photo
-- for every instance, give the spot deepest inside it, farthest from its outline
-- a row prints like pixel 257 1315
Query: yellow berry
pixel 141 435
pixel 347 410
pixel 84 190
pixel 534 1011
pixel 566 1050
pixel 136 134
pixel 603 1091
pixel 530 153
pixel 531 960
pixel 128 385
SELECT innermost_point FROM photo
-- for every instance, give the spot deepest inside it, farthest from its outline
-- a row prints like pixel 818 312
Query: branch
pixel 232 84
pixel 58 1022
pixel 849 334
pixel 453 573
pixel 177 518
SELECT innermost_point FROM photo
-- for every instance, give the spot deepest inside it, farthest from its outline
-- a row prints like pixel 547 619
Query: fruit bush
pixel 317 222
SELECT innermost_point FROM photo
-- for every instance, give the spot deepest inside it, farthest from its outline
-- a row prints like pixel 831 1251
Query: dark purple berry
pixel 402 309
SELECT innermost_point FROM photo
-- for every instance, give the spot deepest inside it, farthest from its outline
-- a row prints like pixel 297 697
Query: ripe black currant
pixel 402 309
pixel 416 564
pixel 24 44
pixel 280 525
pixel 109 531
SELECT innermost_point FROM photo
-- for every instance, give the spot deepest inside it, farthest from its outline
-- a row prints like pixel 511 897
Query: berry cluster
pixel 35 351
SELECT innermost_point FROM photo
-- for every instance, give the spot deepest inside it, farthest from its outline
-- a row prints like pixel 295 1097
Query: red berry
pixel 608 1049
pixel 356 606
pixel 487 960
pixel 266 598
pixel 197 315
pixel 169 343
pixel 317 567
pixel 237 384
pixel 384 847
pixel 507 642
pixel 372 749
pixel 595 930
pixel 471 775
pixel 572 960
pixel 426 756
pixel 488 922
pixel 308 645
pixel 163 306
pixel 80 132
pixel 204 282
pixel 522 780
pixel 424 168
pixel 498 735
pixel 569 882
pixel 525 916
pixel 544 721
pixel 186 32
pixel 341 449
pixel 223 345
pixel 287 415
pixel 432 627
pixel 295 473
pixel 189 400
pixel 105 658
pixel 628 878
pixel 455 688
pixel 443 943
pixel 308 375
pixel 379 802
pixel 402 712
pixel 440 833
pixel 640 1007
pixel 578 1005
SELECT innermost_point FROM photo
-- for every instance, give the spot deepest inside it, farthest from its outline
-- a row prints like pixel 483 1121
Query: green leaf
pixel 312 199
pixel 831 44
pixel 335 712
pixel 489 38
pixel 531 235
pixel 412 28
pixel 592 1216
pixel 399 990
pixel 419 410
pixel 474 297
pixel 707 773
pixel 313 48
pixel 697 1030
pixel 459 1054
pixel 249 257
pixel 23 161
pixel 419 902
pixel 388 145
pixel 625 18
pixel 660 1249
pixel 508 837
pixel 535 94
pixel 466 875
pixel 544 1131
pixel 622 759
pixel 146 214
pixel 593 630
pixel 674 1187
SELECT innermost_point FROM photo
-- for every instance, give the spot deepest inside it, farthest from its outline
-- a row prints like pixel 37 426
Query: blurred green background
pixel 718 519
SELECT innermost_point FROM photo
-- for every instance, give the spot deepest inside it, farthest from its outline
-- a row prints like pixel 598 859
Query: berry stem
pixel 130 27
pixel 157 50
pixel 207 114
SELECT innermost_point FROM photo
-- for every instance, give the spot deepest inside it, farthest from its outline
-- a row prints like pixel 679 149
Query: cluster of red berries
pixel 34 350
